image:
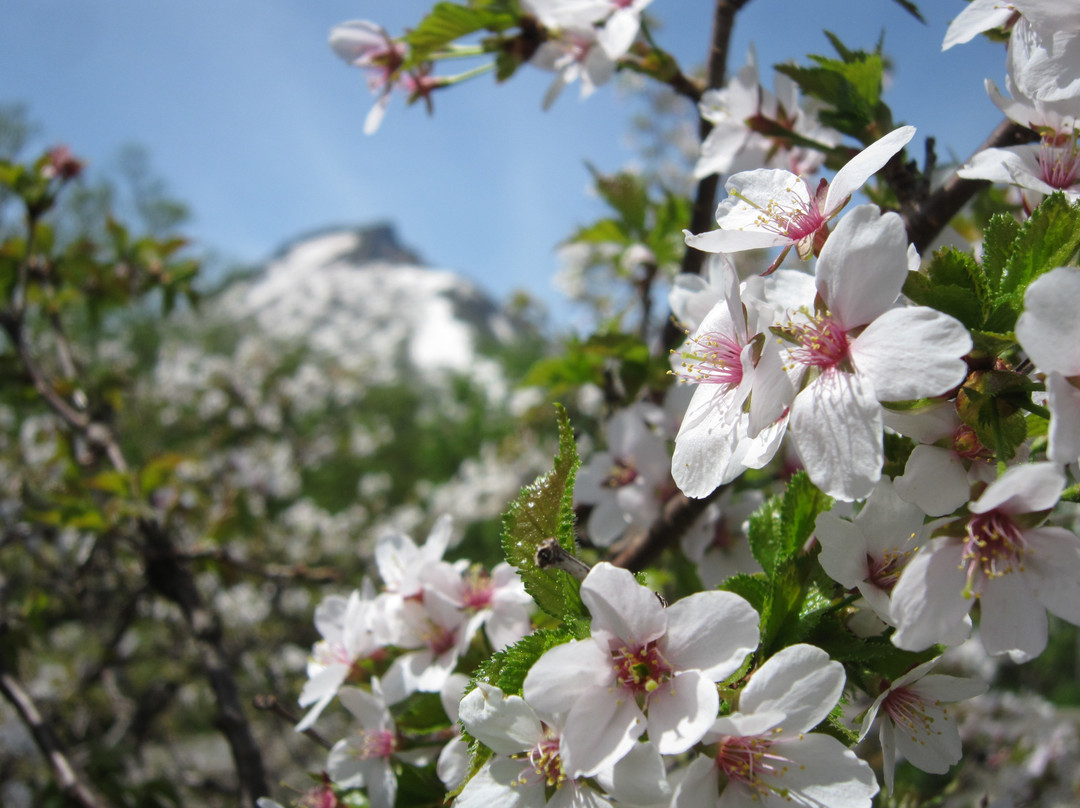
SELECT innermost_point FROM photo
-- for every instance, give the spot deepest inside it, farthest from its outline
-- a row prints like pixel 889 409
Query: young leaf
pixel 544 509
pixel 1049 239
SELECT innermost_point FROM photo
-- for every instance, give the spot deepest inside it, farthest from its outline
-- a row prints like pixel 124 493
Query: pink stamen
pixel 641 670
pixel 747 760
pixel 716 358
pixel 822 343
pixel 1059 161
pixel 994 546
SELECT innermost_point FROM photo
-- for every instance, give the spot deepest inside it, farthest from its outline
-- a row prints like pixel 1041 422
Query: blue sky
pixel 250 118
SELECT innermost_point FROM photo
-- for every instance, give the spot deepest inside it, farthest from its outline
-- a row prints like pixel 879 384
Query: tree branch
pixel 678 514
pixel 926 213
pixel 71 781
pixel 701 215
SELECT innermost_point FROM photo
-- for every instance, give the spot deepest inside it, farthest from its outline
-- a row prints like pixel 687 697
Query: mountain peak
pixel 354 246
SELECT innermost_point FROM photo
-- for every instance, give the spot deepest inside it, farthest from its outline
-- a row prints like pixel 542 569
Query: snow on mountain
pixel 356 294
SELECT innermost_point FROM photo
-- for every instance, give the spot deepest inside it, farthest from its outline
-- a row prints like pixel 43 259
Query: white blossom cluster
pixel 676 705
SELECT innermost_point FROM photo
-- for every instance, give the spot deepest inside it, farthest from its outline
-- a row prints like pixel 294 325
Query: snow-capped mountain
pixel 357 294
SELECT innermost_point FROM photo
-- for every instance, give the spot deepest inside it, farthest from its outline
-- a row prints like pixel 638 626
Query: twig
pixel 679 513
pixel 926 214
pixel 71 781
pixel 274 572
pixel 270 703
pixel 701 215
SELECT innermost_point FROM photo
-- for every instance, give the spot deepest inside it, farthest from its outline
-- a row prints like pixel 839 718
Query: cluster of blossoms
pixel 707 702
pixel 406 638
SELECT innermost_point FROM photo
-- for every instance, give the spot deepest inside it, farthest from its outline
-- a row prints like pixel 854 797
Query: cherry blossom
pixel 870 551
pixel 1015 568
pixel 1048 331
pixel 774 208
pixel 367 45
pixel 363 759
pixel 402 564
pixel 947 461
pixel 527 765
pixel 916 722
pixel 857 349
pixel 765 750
pixel 625 483
pixel 575 54
pixel 732 360
pixel 349 635
pixel 645 666
pixel 743 107
pixel 497 601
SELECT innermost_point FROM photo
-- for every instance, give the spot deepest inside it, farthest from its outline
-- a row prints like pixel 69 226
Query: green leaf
pixel 1048 239
pixel 506 669
pixel 850 85
pixel 953 283
pixel 766 535
pixel 998 246
pixel 802 503
pixel 625 193
pixel 449 21
pixel 752 588
pixel 780 527
pixel 544 509
pixel 911 9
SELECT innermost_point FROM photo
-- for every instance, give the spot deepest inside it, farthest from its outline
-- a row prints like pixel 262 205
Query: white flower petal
pixel 928 603
pixel 863 266
pixel 504 724
pixel 564 674
pixel 1025 488
pixel 599 731
pixel 1012 621
pixel 681 710
pixel 799 681
pixel 864 165
pixel 624 613
pixel 711 632
pixel 836 429
pixel 1048 329
pixel 910 353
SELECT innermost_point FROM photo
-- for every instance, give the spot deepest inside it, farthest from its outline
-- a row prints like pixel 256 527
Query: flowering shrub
pixel 849 459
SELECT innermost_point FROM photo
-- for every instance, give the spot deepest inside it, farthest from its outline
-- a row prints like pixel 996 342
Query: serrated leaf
pixel 802 503
pixel 754 589
pixel 449 21
pixel 543 510
pixel 998 247
pixel 953 283
pixel 766 535
pixel 851 86
pixel 1048 239
pixel 506 669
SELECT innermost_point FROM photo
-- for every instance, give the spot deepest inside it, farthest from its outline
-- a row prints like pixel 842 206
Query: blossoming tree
pixel 901 418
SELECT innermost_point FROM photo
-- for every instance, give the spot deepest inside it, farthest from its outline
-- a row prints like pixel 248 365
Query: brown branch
pixel 678 514
pixel 171 578
pixel 270 703
pixel 167 574
pixel 701 216
pixel 273 572
pixel 71 781
pixel 927 213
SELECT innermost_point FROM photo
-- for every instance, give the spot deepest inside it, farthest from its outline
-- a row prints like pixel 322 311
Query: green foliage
pixel 911 9
pixel 507 669
pixel 988 297
pixel 850 85
pixel 447 22
pixel 619 363
pixel 544 509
